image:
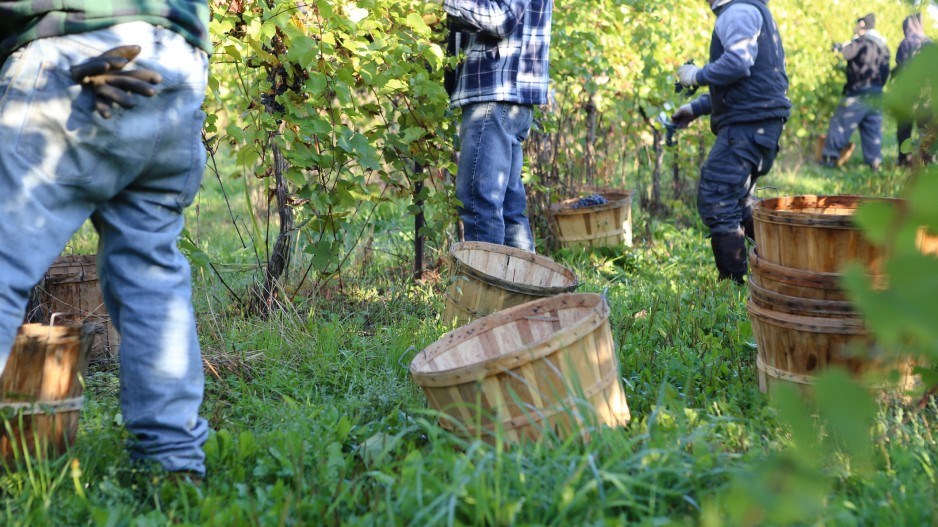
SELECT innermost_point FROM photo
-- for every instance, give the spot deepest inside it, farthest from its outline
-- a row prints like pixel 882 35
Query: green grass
pixel 316 420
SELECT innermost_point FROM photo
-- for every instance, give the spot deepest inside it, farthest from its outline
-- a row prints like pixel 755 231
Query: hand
pixel 683 116
pixel 688 74
pixel 111 85
pixel 837 46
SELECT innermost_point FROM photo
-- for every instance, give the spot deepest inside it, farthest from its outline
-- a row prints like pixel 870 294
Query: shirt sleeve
pixel 498 18
pixel 701 105
pixel 738 29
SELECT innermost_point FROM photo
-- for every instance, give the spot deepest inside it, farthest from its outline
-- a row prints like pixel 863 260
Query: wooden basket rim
pixel 513 252
pixel 806 306
pixel 56 334
pixel 516 357
pixel 802 277
pixel 780 210
pixel 845 326
pixel 616 200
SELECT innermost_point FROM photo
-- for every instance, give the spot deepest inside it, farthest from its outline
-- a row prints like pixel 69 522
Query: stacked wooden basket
pixel 801 317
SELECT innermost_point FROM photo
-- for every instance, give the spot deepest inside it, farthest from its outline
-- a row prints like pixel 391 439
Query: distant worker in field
pixel 920 111
pixel 861 107
pixel 504 74
pixel 100 117
pixel 748 108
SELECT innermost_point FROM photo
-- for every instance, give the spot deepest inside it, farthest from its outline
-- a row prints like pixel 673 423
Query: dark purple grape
pixel 590 201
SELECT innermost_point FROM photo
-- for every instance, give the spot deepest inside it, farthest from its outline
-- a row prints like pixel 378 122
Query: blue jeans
pixel 858 111
pixel 488 180
pixel 741 154
pixel 60 164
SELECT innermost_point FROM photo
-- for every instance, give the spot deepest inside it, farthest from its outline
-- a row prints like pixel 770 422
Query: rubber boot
pixel 729 253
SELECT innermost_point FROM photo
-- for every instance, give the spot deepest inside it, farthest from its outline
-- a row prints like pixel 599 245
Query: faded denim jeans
pixel 488 178
pixel 61 163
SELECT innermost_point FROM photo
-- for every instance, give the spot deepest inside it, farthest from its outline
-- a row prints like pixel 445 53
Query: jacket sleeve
pixel 851 50
pixel 738 29
pixel 701 105
pixel 497 18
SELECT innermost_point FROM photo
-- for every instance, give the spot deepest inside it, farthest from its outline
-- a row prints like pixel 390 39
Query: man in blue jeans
pixel 748 107
pixel 100 117
pixel 503 76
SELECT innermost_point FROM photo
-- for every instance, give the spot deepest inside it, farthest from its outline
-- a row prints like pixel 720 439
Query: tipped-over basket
pixel 815 233
pixel 607 225
pixel 40 391
pixel 487 277
pixel 549 364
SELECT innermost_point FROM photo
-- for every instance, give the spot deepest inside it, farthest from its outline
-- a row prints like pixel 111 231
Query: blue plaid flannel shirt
pixel 506 45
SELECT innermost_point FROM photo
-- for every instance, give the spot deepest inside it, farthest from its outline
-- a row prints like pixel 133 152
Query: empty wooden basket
pixel 487 277
pixel 71 291
pixel 549 364
pixel 814 233
pixel 40 391
pixel 608 225
pixel 796 348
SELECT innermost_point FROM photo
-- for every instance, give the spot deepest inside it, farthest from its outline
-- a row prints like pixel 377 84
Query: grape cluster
pixel 590 201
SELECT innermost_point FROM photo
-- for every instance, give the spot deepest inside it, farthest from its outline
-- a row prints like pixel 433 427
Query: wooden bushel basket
pixel 796 348
pixel 798 282
pixel 608 225
pixel 549 364
pixel 814 233
pixel 70 289
pixel 40 391
pixel 487 277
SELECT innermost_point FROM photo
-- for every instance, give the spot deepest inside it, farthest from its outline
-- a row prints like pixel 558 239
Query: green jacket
pixel 22 21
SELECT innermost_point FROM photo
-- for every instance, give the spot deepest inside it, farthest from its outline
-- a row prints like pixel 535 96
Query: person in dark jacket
pixel 867 57
pixel 920 110
pixel 101 118
pixel 748 108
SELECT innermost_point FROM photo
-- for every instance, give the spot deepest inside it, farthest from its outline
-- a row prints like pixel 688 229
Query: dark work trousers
pixel 742 153
pixel 858 111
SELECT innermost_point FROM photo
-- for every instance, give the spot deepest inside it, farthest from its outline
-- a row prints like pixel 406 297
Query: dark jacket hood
pixel 721 6
pixel 912 25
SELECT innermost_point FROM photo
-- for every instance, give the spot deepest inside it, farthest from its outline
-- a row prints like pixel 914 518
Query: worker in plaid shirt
pixel 503 75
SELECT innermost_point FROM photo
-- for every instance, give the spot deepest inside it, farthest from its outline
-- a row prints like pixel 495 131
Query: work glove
pixel 688 74
pixel 683 116
pixel 106 78
pixel 837 46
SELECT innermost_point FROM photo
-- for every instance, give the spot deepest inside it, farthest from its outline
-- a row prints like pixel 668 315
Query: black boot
pixel 729 252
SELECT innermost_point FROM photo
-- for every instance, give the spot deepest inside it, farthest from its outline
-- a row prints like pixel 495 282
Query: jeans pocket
pixel 516 120
pixel 59 132
pixel 197 164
